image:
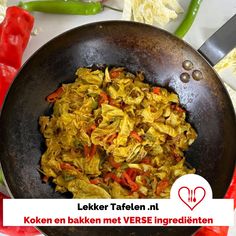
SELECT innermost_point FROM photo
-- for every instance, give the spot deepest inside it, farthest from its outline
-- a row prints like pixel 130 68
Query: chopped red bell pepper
pixel 156 90
pixel 66 166
pixel 161 186
pixel 116 72
pixel 95 181
pixel 177 108
pixel 136 136
pixel 93 150
pixel 91 129
pixel 55 95
pixel 113 163
pixel 90 152
pixel 103 98
pixel 129 182
pixel 111 138
pixel 113 102
pixel 132 172
pixel 14 35
pixel 146 160
pixel 112 176
pixel 86 150
pixel 45 179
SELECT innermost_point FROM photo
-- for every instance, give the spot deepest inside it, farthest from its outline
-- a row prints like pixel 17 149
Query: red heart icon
pixel 189 198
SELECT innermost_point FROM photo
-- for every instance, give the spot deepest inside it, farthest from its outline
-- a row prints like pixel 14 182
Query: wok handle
pixel 220 43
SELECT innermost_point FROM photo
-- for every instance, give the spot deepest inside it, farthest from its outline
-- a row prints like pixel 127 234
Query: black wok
pixel 137 47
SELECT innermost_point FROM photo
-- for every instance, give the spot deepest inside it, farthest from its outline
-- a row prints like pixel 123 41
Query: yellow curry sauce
pixel 111 135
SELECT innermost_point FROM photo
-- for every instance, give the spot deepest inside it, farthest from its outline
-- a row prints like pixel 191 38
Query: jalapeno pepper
pixel 14 35
pixel 63 7
pixel 189 18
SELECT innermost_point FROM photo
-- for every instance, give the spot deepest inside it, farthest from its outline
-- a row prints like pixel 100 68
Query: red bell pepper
pixel 55 95
pixel 231 192
pixel 103 98
pixel 220 230
pixel 126 180
pixel 14 35
pixel 112 176
pixel 156 90
pixel 113 163
pixel 15 230
pixel 136 136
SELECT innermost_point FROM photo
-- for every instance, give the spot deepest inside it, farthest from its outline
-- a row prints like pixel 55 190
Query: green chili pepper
pixel 189 18
pixel 1 178
pixel 63 7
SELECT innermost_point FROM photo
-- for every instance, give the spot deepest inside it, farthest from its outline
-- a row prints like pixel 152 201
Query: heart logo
pixel 191 197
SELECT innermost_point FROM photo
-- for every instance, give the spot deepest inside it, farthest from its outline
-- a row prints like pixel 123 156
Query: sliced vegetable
pixel 161 186
pixel 129 182
pixel 156 90
pixel 111 138
pixel 177 108
pixel 103 98
pixel 159 12
pixel 91 129
pixel 115 73
pixel 55 95
pixel 146 160
pixel 189 18
pixel 119 192
pixel 67 166
pixel 132 172
pixel 135 135
pixel 96 181
pixel 113 163
pixel 123 151
pixel 86 151
pixel 92 150
pixel 112 176
pixel 84 189
pixel 45 179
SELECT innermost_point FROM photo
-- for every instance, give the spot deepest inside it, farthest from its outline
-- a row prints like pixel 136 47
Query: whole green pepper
pixel 63 7
pixel 189 18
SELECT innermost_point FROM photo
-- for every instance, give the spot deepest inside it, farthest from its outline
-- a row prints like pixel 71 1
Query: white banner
pixel 189 205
